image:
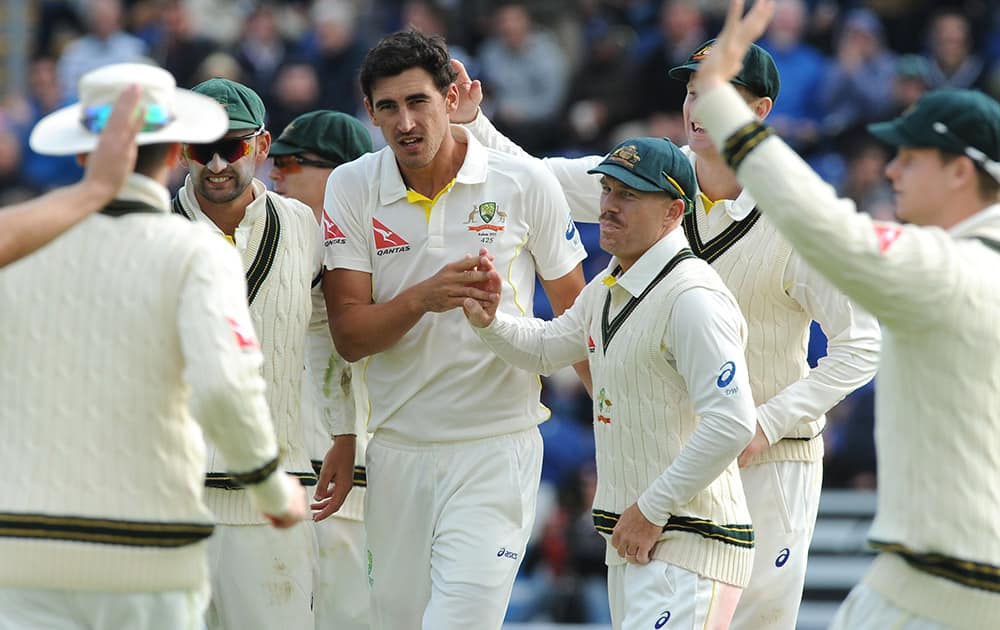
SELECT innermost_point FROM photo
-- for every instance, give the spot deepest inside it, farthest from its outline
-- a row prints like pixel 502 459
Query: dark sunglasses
pixel 294 163
pixel 229 149
pixel 95 118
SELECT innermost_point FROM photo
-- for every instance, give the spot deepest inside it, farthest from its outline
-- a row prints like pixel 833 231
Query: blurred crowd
pixel 562 77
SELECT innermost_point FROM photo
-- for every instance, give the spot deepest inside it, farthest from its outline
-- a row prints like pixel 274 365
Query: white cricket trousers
pixel 864 609
pixel 262 577
pixel 783 498
pixel 447 527
pixel 342 593
pixel 663 595
pixel 60 609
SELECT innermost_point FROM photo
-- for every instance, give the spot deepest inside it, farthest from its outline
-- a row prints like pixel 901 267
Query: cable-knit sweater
pixel 280 310
pixel 115 339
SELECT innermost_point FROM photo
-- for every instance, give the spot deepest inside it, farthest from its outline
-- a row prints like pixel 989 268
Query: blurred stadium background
pixel 563 77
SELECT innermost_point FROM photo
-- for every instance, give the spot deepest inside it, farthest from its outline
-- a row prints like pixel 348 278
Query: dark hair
pixel 397 53
pixel 149 159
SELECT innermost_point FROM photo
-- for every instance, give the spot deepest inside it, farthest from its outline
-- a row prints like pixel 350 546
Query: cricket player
pixel 455 459
pixel 664 338
pixel 118 342
pixel 260 578
pixel 780 295
pixel 303 157
pixel 933 286
pixel 25 227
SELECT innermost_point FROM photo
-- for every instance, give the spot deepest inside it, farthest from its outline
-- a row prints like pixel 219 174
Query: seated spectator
pixel 953 60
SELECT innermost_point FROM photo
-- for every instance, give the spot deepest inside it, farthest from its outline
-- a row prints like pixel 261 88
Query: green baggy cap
pixel 651 165
pixel 759 74
pixel 243 105
pixel 334 136
pixel 966 122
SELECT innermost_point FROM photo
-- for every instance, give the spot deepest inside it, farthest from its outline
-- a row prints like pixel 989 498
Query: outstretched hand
pixel 470 95
pixel 738 32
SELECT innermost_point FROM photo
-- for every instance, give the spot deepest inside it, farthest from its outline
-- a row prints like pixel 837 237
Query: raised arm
pixel 582 190
pixel 27 226
pixel 885 268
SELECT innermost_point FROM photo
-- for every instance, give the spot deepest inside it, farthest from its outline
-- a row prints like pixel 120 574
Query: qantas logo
pixel 244 335
pixel 331 231
pixel 590 345
pixel 886 235
pixel 387 241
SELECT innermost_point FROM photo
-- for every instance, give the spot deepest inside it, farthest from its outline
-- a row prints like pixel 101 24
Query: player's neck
pixel 431 179
pixel 715 179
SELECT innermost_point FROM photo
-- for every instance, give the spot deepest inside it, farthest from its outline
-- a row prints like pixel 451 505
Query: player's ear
pixel 762 107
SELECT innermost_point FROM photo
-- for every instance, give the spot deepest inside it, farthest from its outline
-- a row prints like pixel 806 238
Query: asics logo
pixel 507 553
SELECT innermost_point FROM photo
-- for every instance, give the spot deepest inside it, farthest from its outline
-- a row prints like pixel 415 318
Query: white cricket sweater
pixel 280 311
pixel 115 339
pixel 778 294
pixel 672 403
pixel 936 294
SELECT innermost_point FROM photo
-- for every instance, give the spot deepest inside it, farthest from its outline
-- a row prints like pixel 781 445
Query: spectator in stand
pixel 858 87
pixel 336 51
pixel 796 115
pixel 430 18
pixel 528 74
pixel 954 62
pixel 602 94
pixel 180 50
pixel 45 95
pixel 105 43
pixel 260 52
pixel 297 91
pixel 682 28
pixel 913 78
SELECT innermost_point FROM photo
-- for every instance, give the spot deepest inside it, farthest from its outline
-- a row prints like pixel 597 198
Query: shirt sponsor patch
pixel 590 345
pixel 886 234
pixel 725 379
pixel 245 337
pixel 332 234
pixel 387 241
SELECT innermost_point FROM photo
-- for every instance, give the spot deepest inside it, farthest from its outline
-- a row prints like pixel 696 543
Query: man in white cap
pixel 126 332
pixel 25 227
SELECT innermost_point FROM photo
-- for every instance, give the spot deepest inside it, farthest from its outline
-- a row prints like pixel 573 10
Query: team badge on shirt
pixel 487 220
pixel 603 407
pixel 387 241
pixel 590 344
pixel 332 234
pixel 244 336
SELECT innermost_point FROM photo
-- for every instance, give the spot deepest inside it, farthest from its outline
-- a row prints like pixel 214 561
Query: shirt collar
pixel 650 264
pixel 145 190
pixel 473 170
pixel 737 209
pixel 988 217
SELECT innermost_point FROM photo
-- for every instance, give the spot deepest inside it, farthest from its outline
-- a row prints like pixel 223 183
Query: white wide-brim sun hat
pixel 181 115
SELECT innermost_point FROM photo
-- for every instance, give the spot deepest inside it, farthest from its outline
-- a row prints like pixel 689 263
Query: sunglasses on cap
pixel 294 163
pixel 229 149
pixel 992 168
pixel 95 118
